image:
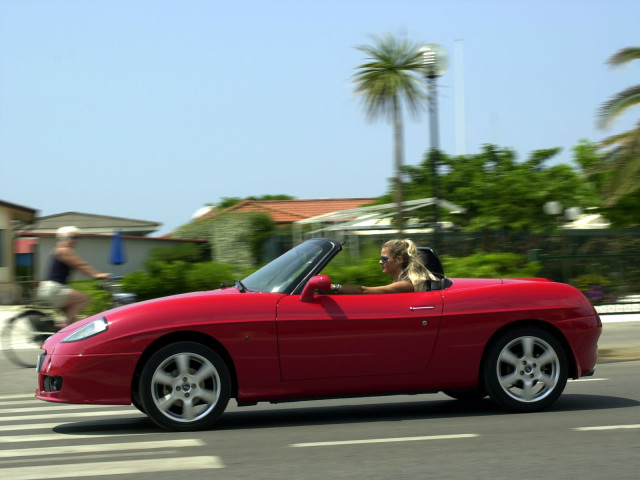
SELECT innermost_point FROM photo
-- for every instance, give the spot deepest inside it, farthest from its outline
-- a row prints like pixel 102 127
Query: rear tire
pixel 184 386
pixel 525 369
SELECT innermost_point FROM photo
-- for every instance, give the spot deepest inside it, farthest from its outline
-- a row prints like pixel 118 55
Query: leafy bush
pixel 597 288
pixel 200 229
pixel 169 278
pixel 240 237
pixel 365 271
pixel 490 265
pixel 479 265
pixel 100 298
pixel 358 274
pixel 164 278
pixel 209 276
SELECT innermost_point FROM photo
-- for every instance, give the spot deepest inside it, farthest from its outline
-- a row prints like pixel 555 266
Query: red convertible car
pixel 275 336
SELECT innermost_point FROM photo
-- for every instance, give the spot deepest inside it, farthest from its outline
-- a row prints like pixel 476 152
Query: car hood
pixel 181 310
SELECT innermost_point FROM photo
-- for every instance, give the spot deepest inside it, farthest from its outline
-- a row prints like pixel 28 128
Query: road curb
pixel 614 354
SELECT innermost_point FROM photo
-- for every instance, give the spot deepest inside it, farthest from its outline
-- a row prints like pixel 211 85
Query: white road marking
pixel 101 448
pixel 28 426
pixel 81 458
pixel 52 408
pixel 128 467
pixel 75 416
pixel 385 440
pixel 21 401
pixel 49 437
pixel 13 396
pixel 588 380
pixel 607 427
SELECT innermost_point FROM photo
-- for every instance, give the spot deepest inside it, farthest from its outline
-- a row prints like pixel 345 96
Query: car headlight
pixel 89 330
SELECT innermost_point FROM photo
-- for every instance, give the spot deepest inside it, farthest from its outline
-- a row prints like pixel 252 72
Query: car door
pixel 357 335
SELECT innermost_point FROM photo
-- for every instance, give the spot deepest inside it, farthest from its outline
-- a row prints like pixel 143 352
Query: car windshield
pixel 284 273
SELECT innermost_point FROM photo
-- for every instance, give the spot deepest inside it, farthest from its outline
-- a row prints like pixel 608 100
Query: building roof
pixel 377 218
pixel 19 212
pixel 98 224
pixel 289 211
pixel 17 207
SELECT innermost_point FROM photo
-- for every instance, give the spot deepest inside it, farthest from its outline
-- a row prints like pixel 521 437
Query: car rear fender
pixel 532 323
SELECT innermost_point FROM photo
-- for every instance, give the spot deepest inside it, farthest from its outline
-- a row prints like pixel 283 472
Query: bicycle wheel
pixel 23 335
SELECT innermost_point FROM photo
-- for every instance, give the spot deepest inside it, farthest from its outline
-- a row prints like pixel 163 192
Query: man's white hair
pixel 66 232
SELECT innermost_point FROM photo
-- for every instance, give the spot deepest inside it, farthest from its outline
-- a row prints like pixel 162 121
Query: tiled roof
pixel 288 211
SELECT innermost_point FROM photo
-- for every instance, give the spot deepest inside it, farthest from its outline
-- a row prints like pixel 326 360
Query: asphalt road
pixel 593 431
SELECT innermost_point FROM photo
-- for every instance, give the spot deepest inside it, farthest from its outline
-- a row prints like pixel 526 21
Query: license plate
pixel 41 358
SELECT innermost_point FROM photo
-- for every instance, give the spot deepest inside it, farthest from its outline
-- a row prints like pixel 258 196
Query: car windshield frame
pixel 289 272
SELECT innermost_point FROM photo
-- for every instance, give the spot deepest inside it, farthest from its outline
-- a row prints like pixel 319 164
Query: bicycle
pixel 24 333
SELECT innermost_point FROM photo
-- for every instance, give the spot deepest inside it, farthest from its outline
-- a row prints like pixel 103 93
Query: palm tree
pixel 622 163
pixel 389 77
pixel 625 99
pixel 622 157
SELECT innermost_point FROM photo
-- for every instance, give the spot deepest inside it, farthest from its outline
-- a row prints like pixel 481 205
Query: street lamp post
pixel 435 63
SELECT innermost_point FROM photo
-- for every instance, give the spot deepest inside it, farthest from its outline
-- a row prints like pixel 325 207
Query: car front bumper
pixel 88 379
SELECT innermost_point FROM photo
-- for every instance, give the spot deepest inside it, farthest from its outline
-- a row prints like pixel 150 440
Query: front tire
pixel 525 369
pixel 184 386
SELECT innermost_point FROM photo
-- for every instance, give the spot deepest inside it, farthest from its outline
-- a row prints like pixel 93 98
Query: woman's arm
pixel 395 287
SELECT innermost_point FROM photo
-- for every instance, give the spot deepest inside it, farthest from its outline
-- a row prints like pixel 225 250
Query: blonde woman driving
pixel 401 260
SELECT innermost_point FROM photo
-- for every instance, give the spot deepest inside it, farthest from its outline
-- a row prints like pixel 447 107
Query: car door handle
pixel 426 307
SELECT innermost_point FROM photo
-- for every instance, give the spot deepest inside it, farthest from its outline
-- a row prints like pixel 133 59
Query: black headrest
pixel 431 260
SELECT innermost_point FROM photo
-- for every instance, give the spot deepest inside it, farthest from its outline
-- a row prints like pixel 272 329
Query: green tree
pixel 500 193
pixel 622 152
pixel 387 79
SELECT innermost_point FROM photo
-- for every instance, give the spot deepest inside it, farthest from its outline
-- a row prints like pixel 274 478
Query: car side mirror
pixel 318 282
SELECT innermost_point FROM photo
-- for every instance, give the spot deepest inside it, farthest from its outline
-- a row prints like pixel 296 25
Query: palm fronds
pixel 624 100
pixel 621 161
pixel 624 56
pixel 390 75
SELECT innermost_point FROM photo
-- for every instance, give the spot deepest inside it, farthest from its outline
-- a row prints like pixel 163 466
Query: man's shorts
pixel 53 293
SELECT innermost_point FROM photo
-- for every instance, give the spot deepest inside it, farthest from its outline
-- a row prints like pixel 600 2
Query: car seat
pixel 433 263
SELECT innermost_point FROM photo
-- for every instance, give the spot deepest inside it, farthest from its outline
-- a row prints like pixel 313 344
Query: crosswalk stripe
pixel 48 437
pixel 84 459
pixel 20 401
pixel 51 408
pixel 71 416
pixel 101 447
pixel 13 396
pixel 129 467
pixel 28 426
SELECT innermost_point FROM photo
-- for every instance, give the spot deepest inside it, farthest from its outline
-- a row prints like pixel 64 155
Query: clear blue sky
pixel 148 109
